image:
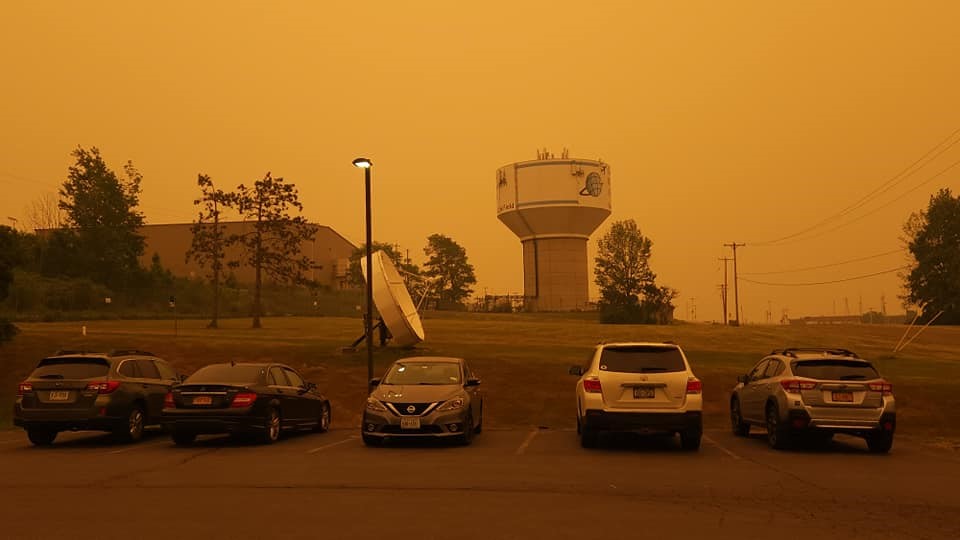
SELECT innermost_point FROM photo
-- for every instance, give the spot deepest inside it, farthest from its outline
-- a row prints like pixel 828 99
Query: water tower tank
pixel 554 205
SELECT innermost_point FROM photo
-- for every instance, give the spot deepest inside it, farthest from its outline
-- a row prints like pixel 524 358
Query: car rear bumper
pixel 801 420
pixel 643 422
pixel 203 422
pixel 66 420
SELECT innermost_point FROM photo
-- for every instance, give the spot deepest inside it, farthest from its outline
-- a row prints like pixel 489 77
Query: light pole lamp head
pixel 363 163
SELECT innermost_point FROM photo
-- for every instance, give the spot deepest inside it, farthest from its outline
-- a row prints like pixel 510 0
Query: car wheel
pixel 778 434
pixel 467 437
pixel 739 427
pixel 42 437
pixel 132 430
pixel 479 427
pixel 271 429
pixel 880 443
pixel 323 423
pixel 370 440
pixel 588 437
pixel 183 438
pixel 690 440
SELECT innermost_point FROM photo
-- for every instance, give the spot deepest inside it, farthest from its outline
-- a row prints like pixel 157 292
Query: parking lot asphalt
pixel 515 483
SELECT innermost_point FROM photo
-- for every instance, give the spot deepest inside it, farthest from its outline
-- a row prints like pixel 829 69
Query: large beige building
pixel 329 251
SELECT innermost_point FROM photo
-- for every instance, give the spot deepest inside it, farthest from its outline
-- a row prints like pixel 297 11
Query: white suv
pixel 639 388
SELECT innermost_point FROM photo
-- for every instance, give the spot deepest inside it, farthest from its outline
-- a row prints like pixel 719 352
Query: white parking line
pixel 526 442
pixel 138 447
pixel 725 451
pixel 331 445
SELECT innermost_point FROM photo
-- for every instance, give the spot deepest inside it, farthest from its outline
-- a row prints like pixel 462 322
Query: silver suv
pixel 639 388
pixel 815 392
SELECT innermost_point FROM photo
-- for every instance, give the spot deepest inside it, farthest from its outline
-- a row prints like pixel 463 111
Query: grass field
pixel 522 359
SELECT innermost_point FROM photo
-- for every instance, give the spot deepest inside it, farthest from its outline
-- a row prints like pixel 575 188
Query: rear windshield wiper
pixel 850 377
pixel 51 376
pixel 653 369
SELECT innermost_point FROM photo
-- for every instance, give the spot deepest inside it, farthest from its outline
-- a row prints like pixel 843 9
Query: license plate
pixel 202 400
pixel 410 423
pixel 59 395
pixel 643 392
pixel 843 397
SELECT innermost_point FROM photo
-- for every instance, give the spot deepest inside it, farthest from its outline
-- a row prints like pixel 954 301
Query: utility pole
pixel 723 291
pixel 736 289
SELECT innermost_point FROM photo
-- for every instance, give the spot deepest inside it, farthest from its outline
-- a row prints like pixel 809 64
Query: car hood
pixel 416 393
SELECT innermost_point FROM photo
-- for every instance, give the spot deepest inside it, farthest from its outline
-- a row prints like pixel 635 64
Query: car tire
pixel 370 440
pixel 323 423
pixel 588 437
pixel 42 437
pixel 132 430
pixel 880 443
pixel 738 426
pixel 778 433
pixel 690 440
pixel 271 428
pixel 467 437
pixel 479 427
pixel 183 438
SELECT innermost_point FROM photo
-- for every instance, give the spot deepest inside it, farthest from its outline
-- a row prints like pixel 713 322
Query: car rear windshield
pixel 226 373
pixel 423 373
pixel 835 370
pixel 641 359
pixel 71 368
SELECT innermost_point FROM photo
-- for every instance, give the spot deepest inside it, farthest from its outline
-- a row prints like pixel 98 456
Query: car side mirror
pixel 472 382
pixel 309 386
pixel 743 379
pixel 374 382
pixel 576 370
pixel 181 377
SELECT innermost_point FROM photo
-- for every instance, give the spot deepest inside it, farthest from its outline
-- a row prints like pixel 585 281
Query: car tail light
pixel 103 387
pixel 24 388
pixel 796 385
pixel 694 386
pixel 243 399
pixel 882 386
pixel 592 386
pixel 168 402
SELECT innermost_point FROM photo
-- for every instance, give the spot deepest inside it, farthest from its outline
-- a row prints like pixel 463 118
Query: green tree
pixel 933 238
pixel 9 257
pixel 272 245
pixel 449 271
pixel 208 247
pixel 101 210
pixel 628 290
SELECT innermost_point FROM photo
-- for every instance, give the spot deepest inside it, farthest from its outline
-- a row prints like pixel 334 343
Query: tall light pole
pixel 736 292
pixel 366 164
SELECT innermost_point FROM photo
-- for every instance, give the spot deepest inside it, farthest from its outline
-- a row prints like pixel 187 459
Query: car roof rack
pixel 129 352
pixel 792 351
pixel 64 352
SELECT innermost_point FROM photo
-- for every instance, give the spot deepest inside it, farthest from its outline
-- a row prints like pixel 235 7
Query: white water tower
pixel 554 205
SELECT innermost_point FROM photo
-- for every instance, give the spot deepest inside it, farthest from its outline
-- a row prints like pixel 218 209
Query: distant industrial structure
pixel 553 205
pixel 329 251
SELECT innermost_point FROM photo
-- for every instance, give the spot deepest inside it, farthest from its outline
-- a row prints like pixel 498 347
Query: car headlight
pixel 374 405
pixel 452 405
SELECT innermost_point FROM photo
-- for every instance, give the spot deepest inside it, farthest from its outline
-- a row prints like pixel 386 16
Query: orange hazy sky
pixel 721 121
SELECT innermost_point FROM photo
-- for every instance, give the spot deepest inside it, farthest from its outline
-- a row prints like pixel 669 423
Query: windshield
pixel 641 359
pixel 226 373
pixel 71 368
pixel 423 373
pixel 835 370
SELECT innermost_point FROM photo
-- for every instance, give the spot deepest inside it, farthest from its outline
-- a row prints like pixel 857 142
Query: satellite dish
pixel 393 301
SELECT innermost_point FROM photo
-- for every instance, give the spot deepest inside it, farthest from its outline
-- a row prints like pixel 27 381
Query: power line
pixel 878 255
pixel 906 173
pixel 826 282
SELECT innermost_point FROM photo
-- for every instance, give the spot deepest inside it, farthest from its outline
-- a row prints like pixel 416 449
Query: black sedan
pixel 260 400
